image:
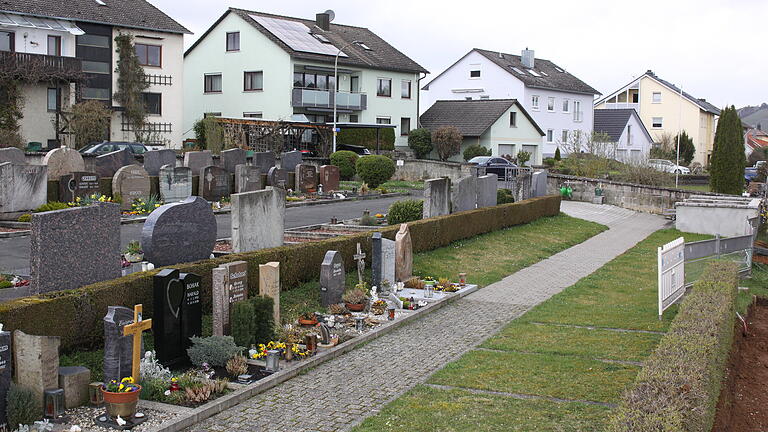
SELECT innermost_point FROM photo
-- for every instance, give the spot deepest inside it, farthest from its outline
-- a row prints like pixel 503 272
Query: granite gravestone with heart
pixel 177 315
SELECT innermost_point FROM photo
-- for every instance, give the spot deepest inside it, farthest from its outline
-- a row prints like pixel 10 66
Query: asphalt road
pixel 14 252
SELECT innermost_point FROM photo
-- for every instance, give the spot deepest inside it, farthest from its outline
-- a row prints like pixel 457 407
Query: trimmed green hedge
pixel 76 315
pixel 679 385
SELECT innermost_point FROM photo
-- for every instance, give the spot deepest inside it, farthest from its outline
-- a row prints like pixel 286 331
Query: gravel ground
pixel 84 418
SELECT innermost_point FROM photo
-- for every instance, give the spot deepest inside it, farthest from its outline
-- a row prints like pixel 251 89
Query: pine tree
pixel 687 149
pixel 728 160
pixel 557 154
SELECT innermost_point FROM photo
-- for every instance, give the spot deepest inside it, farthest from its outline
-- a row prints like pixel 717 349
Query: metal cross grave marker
pixel 360 258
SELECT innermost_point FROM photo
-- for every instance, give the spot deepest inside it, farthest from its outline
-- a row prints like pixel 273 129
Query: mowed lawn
pixel 560 367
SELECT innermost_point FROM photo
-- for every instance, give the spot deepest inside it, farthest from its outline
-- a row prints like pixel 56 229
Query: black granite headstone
pixel 192 309
pixel 179 232
pixel 177 314
pixel 6 375
pixel 78 184
pixel 376 259
pixel 118 349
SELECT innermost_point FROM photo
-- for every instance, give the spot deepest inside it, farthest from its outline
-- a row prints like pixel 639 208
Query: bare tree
pixel 596 143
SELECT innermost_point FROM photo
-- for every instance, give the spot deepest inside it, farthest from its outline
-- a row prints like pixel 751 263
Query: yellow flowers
pixel 128 380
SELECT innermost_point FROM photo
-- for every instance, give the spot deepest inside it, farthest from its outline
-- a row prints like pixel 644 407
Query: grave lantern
pixel 94 393
pixel 273 361
pixel 54 403
pixel 391 312
pixel 359 323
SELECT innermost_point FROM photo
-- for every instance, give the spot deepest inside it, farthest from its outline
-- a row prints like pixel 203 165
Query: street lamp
pixel 336 85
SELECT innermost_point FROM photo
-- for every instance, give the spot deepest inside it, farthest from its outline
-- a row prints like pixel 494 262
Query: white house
pixel 629 140
pixel 559 102
pixel 73 41
pixel 258 65
pixel 500 125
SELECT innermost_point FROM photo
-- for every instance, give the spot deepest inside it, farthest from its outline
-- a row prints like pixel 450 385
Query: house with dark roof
pixel 665 109
pixel 628 139
pixel 259 65
pixel 503 126
pixel 560 102
pixel 71 46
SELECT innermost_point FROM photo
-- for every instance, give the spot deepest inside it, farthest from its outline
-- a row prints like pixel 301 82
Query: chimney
pixel 323 20
pixel 527 58
pixel 650 72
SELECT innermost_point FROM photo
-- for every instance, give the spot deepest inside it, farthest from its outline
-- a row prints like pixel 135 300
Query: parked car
pixel 667 166
pixel 362 151
pixel 495 165
pixel 110 146
pixel 751 172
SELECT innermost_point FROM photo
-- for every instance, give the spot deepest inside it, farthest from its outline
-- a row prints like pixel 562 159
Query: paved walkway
pixel 341 393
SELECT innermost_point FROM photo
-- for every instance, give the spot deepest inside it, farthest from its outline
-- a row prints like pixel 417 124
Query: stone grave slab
pixel 383 261
pixel 62 161
pixel 230 285
pixel 332 279
pixel 214 183
pixel 78 184
pixel 269 285
pixel 175 183
pixel 403 254
pixel 74 380
pixel 289 160
pixel 486 190
pixel 196 160
pixel 177 314
pixel 247 179
pixel 258 219
pixel 130 182
pixel 118 349
pixel 277 177
pixel 108 164
pixel 329 177
pixel 539 183
pixel 437 197
pixel 232 158
pixel 36 361
pixel 22 187
pixel 179 232
pixel 263 161
pixel 156 159
pixel 75 247
pixel 12 155
pixel 464 194
pixel 6 373
pixel 306 178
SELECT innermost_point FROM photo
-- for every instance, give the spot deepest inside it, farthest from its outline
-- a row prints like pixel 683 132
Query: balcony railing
pixel 40 65
pixel 313 98
pixel 623 105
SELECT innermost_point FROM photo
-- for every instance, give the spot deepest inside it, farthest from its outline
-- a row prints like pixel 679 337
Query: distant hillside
pixel 756 116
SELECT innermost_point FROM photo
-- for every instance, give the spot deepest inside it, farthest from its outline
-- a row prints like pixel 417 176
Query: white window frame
pixel 550 104
pixel 565 136
pixel 550 136
pixel 578 116
pixel 388 118
pixel 535 102
pixel 660 123
pixel 566 106
pixel 653 97
pixel 513 119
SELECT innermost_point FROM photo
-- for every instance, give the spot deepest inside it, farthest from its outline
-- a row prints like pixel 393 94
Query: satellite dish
pixel 331 15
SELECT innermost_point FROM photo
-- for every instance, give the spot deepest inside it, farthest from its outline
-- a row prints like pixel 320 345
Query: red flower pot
pixel 121 404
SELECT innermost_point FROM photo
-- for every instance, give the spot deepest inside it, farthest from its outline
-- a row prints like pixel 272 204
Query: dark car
pixel 495 165
pixel 110 146
pixel 362 151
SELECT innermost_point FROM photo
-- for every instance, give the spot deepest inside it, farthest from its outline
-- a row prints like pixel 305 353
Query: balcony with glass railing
pixel 317 98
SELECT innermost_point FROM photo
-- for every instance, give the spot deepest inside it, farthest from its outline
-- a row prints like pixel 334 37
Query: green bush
pixel 475 150
pixel 550 162
pixel 51 206
pixel 214 350
pixel 264 318
pixel 241 320
pixel 26 217
pixel 420 141
pixel 345 160
pixel 367 138
pixel 523 157
pixel 5 284
pixel 153 389
pixel 405 211
pixel 727 162
pixel 504 196
pixel 22 406
pixel 252 321
pixel 375 170
pixel 679 384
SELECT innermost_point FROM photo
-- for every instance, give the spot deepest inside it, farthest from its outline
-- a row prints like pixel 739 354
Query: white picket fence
pixel 671 259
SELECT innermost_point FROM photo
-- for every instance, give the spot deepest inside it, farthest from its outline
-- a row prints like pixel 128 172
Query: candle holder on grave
pixel 94 393
pixel 54 403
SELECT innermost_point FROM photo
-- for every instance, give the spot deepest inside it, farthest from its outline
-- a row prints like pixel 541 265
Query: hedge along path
pixel 76 315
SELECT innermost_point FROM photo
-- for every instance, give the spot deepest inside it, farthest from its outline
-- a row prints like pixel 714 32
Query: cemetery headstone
pixel 289 160
pixel 177 314
pixel 36 361
pixel 230 285
pixel 156 159
pixel 175 183
pixel 359 258
pixel 437 197
pixel 263 161
pixel 118 348
pixel 74 380
pixel 22 187
pixel 62 161
pixel 135 330
pixel 306 178
pixel 214 183
pixel 332 278
pixel 277 177
pixel 179 232
pixel 12 155
pixel 6 374
pixel 74 247
pixel 258 219
pixel 269 285
pixel 486 190
pixel 403 254
pixel 464 194
pixel 329 177
pixel 232 158
pixel 383 261
pixel 539 183
pixel 196 160
pixel 130 183
pixel 78 184
pixel 108 164
pixel 247 179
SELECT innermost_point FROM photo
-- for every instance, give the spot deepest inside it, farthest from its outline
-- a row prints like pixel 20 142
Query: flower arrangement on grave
pixel 308 319
pixel 126 385
pixel 414 283
pixel 133 252
pixel 445 284
pixel 292 336
pixel 338 309
pixel 92 199
pixel 356 299
pixel 379 307
pixel 141 207
pixel 236 366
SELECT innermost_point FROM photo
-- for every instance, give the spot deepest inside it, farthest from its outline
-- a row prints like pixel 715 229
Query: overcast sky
pixel 714 49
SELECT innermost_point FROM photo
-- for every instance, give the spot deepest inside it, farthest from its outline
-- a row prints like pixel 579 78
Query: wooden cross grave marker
pixel 136 329
pixel 360 258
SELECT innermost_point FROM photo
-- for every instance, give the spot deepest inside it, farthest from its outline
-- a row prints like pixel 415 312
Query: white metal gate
pixel 671 258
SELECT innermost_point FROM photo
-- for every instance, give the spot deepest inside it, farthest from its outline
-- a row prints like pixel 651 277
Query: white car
pixel 667 166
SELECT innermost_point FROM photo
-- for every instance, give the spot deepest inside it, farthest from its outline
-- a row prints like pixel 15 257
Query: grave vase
pixel 121 404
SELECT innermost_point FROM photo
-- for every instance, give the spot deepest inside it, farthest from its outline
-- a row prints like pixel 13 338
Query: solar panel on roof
pixel 296 35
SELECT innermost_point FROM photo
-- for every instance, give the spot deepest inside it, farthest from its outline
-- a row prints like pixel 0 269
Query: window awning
pixel 13 20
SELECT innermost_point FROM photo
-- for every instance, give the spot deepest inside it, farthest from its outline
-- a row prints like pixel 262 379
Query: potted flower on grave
pixel 357 299
pixel 308 319
pixel 121 398
pixel 133 252
pixel 429 281
pixel 379 307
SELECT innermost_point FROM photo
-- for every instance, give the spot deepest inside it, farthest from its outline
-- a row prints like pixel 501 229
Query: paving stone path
pixel 342 392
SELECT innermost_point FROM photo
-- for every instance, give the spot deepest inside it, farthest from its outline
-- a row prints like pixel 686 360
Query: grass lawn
pixel 698 188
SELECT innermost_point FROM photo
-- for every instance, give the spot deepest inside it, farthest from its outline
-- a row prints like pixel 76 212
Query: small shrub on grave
pixel 474 151
pixel 21 407
pixel 213 350
pixel 51 206
pixel 345 160
pixel 375 169
pixel 504 196
pixel 5 284
pixel 252 321
pixel 264 319
pixel 26 217
pixel 405 211
pixel 153 389
pixel 241 319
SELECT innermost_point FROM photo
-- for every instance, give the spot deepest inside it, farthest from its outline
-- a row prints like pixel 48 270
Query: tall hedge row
pixel 679 385
pixel 76 315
